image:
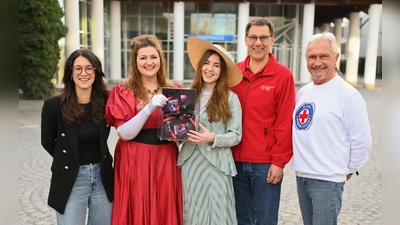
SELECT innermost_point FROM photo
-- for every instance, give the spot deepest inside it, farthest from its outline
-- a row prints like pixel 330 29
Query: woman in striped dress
pixel 206 159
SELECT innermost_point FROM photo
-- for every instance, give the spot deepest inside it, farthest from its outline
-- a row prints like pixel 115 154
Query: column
pixel 243 19
pixel 61 62
pixel 338 34
pixel 353 49
pixel 98 29
pixel 326 27
pixel 72 22
pixel 115 41
pixel 308 26
pixel 296 61
pixel 374 13
pixel 179 41
pixel 61 67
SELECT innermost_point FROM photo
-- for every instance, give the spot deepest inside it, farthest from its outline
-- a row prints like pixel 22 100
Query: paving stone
pixel 362 197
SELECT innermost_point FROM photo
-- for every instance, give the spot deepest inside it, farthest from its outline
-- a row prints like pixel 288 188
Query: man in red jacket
pixel 267 95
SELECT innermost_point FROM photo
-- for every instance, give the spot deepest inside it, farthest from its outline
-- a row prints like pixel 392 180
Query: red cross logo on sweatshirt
pixel 304 115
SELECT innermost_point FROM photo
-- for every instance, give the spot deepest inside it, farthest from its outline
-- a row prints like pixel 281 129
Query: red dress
pixel 148 186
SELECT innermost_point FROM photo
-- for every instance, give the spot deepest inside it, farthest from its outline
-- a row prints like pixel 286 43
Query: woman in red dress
pixel 148 187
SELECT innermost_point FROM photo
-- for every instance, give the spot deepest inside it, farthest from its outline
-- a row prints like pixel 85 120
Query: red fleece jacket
pixel 268 100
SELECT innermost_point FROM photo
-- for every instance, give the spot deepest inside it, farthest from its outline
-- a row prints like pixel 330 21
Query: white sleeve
pixel 132 127
pixel 358 128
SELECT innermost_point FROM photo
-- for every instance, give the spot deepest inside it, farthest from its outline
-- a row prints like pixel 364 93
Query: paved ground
pixel 362 200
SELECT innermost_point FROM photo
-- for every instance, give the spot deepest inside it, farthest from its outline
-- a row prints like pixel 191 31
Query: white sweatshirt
pixel 331 132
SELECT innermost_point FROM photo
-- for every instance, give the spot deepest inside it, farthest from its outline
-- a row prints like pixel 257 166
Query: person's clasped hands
pixel 156 101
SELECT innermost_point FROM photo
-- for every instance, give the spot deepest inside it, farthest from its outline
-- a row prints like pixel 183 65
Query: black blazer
pixel 61 142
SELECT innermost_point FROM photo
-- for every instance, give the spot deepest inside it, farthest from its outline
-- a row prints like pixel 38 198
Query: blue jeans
pixel 257 202
pixel 87 193
pixel 320 200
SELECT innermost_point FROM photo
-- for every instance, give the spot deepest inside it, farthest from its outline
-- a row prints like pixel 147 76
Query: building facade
pixel 106 27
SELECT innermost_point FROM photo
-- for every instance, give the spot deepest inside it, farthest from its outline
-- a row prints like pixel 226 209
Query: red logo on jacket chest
pixel 266 87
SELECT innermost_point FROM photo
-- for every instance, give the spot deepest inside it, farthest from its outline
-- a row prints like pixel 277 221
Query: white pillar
pixel 326 27
pixel 374 13
pixel 98 29
pixel 61 62
pixel 61 67
pixel 72 22
pixel 243 19
pixel 338 35
pixel 179 41
pixel 115 41
pixel 308 26
pixel 295 71
pixel 353 49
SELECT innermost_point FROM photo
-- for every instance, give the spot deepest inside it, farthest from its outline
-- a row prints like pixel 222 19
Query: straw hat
pixel 196 48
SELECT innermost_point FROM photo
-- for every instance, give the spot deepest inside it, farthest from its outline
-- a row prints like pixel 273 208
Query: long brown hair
pixel 71 110
pixel 134 81
pixel 218 105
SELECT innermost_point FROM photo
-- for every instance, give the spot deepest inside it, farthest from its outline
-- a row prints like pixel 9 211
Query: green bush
pixel 40 29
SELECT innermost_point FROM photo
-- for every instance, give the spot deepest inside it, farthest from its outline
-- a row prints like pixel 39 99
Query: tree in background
pixel 40 30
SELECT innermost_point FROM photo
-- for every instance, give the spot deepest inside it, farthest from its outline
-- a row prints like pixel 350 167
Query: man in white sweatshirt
pixel 331 134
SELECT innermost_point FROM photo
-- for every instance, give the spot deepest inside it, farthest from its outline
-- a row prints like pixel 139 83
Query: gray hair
pixel 324 36
pixel 260 21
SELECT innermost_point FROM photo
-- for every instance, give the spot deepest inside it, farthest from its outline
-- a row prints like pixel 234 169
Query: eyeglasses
pixel 78 70
pixel 253 38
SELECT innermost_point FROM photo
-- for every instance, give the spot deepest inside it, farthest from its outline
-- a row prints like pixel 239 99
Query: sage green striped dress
pixel 208 197
pixel 207 171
